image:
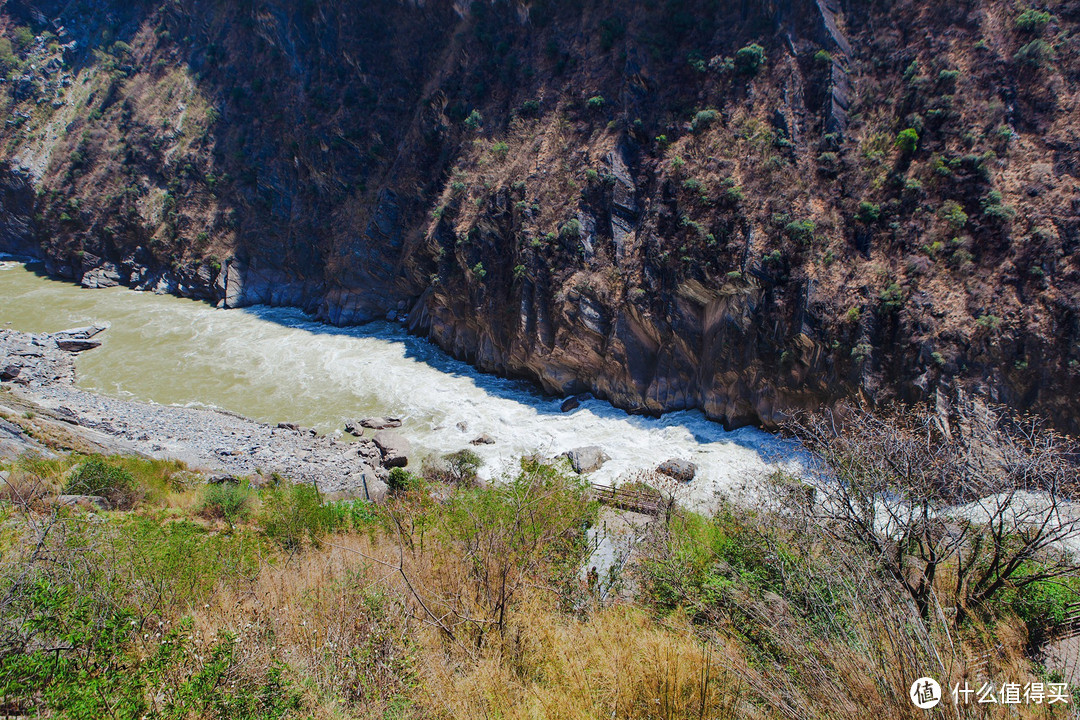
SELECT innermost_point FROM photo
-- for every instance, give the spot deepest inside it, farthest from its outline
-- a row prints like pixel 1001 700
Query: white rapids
pixel 276 364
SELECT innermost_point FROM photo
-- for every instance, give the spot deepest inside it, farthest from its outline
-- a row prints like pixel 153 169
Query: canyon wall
pixel 743 207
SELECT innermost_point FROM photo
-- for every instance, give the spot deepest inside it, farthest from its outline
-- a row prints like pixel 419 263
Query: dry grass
pixel 400 620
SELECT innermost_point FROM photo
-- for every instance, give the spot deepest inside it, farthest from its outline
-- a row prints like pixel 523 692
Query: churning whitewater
pixel 275 365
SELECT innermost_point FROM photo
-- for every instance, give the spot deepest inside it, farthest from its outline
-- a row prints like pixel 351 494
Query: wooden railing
pixel 642 501
pixel 1070 626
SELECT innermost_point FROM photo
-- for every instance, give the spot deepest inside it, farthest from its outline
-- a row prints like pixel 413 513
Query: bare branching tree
pixel 982 492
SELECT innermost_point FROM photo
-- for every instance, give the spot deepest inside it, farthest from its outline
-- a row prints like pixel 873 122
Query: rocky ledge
pixel 38 388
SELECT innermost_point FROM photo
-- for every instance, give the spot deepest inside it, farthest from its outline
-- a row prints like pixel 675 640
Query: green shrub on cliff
pixel 907 141
pixel 750 59
pixel 1032 21
pixel 8 59
pixel 1036 54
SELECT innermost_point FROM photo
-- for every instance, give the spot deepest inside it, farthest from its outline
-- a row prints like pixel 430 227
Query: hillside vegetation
pixel 451 600
pixel 742 207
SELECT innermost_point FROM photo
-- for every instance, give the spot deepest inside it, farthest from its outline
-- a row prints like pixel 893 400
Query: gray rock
pixel 223 479
pixel 375 490
pixel 586 459
pixel 569 404
pixel 10 372
pixel 681 470
pixel 483 439
pixel 81 333
pixel 88 501
pixel 394 448
pixel 379 423
pixel 77 345
pixel 103 276
pixel 295 427
pixel 78 339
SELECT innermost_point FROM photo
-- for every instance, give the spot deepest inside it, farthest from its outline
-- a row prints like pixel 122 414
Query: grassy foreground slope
pixel 454 600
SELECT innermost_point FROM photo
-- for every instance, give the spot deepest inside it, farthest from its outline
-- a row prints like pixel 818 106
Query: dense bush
pixel 294 513
pixel 1032 21
pixel 868 212
pixel 1036 54
pixel 226 501
pixel 750 59
pixel 703 119
pixel 401 480
pixel 907 141
pixel 97 477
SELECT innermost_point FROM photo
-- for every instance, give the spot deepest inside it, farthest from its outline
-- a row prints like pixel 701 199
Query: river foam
pixel 276 364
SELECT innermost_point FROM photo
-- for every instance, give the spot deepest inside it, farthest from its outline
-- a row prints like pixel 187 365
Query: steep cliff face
pixel 741 207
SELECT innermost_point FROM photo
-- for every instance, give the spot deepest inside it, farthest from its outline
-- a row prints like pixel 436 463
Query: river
pixel 276 364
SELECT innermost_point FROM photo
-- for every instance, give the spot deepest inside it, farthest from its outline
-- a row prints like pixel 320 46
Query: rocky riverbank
pixel 40 407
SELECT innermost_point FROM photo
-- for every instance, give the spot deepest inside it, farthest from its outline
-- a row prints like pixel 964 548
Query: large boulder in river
pixel 77 339
pixel 77 345
pixel 586 459
pixel 681 470
pixel 380 423
pixel 394 448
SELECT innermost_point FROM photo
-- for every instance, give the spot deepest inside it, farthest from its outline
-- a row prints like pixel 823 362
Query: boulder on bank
pixel 375 490
pixel 223 479
pixel 394 448
pixel 586 459
pixel 681 470
pixel 9 372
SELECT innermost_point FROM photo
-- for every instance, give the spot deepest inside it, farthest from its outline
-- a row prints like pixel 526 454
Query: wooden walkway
pixel 641 501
